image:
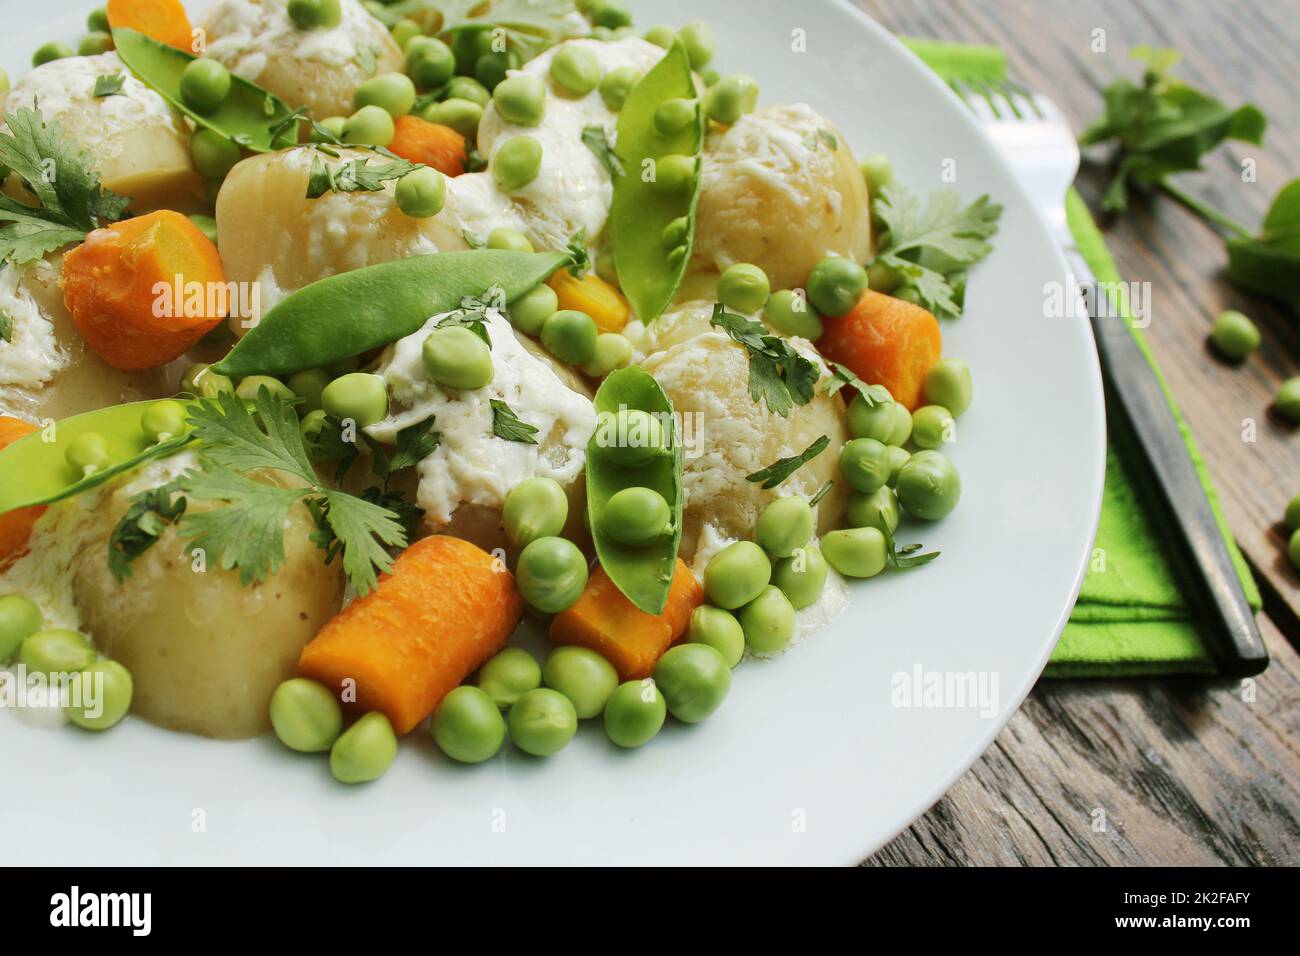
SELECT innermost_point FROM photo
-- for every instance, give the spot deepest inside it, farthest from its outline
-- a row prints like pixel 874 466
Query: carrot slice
pixel 15 526
pixel 143 290
pixel 164 20
pixel 446 608
pixel 605 621
pixel 420 141
pixel 593 295
pixel 885 341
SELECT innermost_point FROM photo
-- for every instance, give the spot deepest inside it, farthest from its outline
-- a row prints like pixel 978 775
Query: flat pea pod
pixel 344 315
pixel 643 574
pixel 34 470
pixel 641 209
pixel 248 115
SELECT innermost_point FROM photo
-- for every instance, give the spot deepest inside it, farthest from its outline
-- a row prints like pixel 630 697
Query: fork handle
pixel 1214 589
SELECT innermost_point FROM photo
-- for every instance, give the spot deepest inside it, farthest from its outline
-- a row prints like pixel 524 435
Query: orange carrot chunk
pixel 446 608
pixel 15 526
pixel 605 621
pixel 885 341
pixel 593 295
pixel 420 141
pixel 164 20
pixel 143 290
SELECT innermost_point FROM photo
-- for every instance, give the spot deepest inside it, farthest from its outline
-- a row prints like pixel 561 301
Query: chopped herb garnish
pixel 473 239
pixel 6 327
pixel 528 26
pixel 506 424
pixel 783 468
pixel 822 136
pixel 841 375
pixel 109 84
pixel 597 140
pixel 821 493
pixel 474 161
pixel 357 175
pixel 579 258
pixel 905 557
pixel 150 513
pixel 473 311
pixel 778 374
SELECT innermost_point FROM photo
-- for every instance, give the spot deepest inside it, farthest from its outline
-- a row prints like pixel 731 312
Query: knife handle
pixel 1213 588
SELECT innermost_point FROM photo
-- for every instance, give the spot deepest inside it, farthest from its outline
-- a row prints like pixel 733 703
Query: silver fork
pixel 1037 141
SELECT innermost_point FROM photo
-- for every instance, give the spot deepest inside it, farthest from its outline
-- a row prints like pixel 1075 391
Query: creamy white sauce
pixel 775 145
pixel 246 35
pixel 472 465
pixel 69 83
pixel 34 356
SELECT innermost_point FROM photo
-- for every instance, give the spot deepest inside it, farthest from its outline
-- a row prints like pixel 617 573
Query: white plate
pixel 810 760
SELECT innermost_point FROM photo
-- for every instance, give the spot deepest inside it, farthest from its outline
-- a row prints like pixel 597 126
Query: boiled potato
pixel 205 652
pixel 270 232
pixel 780 189
pixel 138 143
pixel 319 69
pixel 727 435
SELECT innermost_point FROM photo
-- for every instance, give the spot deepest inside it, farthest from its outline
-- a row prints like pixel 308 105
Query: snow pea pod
pixel 652 218
pixel 643 574
pixel 34 470
pixel 344 315
pixel 249 115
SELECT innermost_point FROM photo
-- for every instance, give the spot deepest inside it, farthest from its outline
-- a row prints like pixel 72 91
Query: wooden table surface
pixel 1157 771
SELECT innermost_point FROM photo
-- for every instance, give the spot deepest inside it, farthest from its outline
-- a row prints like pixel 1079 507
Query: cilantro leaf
pixel 1269 264
pixel 414 444
pixel 778 374
pixel 147 517
pixel 357 175
pixel 841 375
pixel 903 558
pixel 6 327
pixel 473 311
pixel 109 84
pixel 233 439
pixel 506 424
pixel 248 532
pixel 473 239
pixel 358 530
pixel 596 139
pixel 528 26
pixel 783 468
pixel 579 263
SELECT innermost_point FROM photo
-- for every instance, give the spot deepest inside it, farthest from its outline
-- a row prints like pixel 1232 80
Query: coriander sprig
pixel 778 374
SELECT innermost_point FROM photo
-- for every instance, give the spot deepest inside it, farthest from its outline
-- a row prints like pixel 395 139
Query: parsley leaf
pixel 70 200
pixel 783 468
pixel 6 327
pixel 1269 264
pixel 596 139
pixel 248 532
pixel 147 517
pixel 841 375
pixel 506 424
pixel 473 239
pixel 579 258
pixel 109 84
pixel 903 558
pixel 473 311
pixel 529 26
pixel 357 175
pixel 778 374
pixel 414 444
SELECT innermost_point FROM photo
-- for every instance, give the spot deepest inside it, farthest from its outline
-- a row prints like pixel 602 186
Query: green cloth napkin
pixel 1131 617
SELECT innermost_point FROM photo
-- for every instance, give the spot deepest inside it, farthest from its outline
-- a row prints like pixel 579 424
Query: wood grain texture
pixel 1184 771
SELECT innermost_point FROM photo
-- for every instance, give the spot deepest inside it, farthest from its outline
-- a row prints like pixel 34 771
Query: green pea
pixel 405 30
pixel 1291 519
pixel 421 193
pixel 201 381
pixel 517 163
pixel 207 225
pixel 97 20
pixel 364 751
pixel 948 383
pixel 932 426
pixel 674 173
pixel 710 77
pixel 331 124
pixel 855 552
pixel 251 387
pixel 461 115
pixel 529 312
pixel 736 575
pixel 928 486
pixel 744 287
pixel 308 385
pixel 616 85
pixel 467 88
pixel 785 525
pixel 694 679
pixel 56 651
pixel 610 14
pixel 661 36
pixel 313 14
pixel 864 463
pixel 613 351
pixel 163 420
pixel 455 357
pixel 371 125
pixel 697 37
pixel 835 285
pixel 213 154
pixel 99 696
pixel 49 52
pixel 575 70
pixel 95 43
pixel 581 675
pixel 311 428
pixel 503 237
pixel 430 62
pixel 898 457
pixel 730 98
pixel 872 418
pixel 634 713
pixel 535 508
pixel 205 84
pixel 469 45
pixel 879 509
pixel 674 234
pixel 674 115
pixel 1287 401
pixel 542 722
pixel 306 715
pixel 494 67
pixel 391 92
pixel 802 576
pixel 87 453
pixel 551 574
pixel 720 630
pixel 636 516
pixel 468 726
pixel 358 397
pixel 521 99
pixel 570 336
pixel 1293 549
pixel 902 429
pixel 788 311
pixel 883 278
pixel 509 675
pixel 630 436
pixel 877 171
pixel 20 618
pixel 768 621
